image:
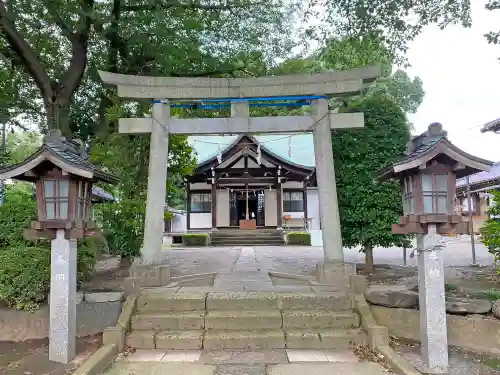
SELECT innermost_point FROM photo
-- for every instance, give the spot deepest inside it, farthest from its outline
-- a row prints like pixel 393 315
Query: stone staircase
pixel 241 237
pixel 244 320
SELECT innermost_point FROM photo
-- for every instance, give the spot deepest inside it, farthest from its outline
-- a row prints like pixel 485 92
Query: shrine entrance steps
pixel 244 320
pixel 242 237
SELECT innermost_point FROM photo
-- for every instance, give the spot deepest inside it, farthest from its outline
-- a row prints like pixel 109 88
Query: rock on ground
pixel 496 309
pixel 393 298
pixel 468 306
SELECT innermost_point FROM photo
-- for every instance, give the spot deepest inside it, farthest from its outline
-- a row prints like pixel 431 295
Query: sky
pixel 461 77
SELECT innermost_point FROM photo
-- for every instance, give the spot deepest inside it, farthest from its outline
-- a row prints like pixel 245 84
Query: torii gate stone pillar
pixel 151 269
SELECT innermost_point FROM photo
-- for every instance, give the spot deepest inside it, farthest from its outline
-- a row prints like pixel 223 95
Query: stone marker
pixel 63 272
pixel 432 301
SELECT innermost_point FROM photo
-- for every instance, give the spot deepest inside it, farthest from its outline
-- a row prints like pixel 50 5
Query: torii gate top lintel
pixel 331 83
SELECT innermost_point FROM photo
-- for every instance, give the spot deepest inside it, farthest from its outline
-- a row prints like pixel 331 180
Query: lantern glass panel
pixel 408 198
pixel 83 206
pixel 435 193
pixel 56 195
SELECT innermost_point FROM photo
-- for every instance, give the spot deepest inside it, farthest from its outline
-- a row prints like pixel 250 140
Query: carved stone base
pixel 335 273
pixel 150 275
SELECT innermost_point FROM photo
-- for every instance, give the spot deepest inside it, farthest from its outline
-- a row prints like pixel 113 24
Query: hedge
pixel 25 271
pixel 195 239
pixel 298 238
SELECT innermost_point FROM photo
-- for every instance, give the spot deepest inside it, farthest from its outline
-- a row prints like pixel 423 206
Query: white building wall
pixel 201 220
pixel 179 223
pixel 313 214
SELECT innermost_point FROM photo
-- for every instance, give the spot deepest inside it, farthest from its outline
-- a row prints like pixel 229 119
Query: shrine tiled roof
pixel 492 126
pixel 489 177
pixel 57 147
pixel 301 146
pixel 429 144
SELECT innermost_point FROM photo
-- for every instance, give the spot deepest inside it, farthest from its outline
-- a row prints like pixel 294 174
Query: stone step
pixel 337 301
pixel 250 339
pixel 168 339
pixel 243 319
pixel 324 339
pixel 246 240
pixel 168 320
pixel 249 236
pixel 160 300
pixel 313 319
pixel 254 339
pixel 245 232
pixel 239 244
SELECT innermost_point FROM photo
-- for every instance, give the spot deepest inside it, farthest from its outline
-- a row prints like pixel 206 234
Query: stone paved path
pixel 271 362
pixel 246 275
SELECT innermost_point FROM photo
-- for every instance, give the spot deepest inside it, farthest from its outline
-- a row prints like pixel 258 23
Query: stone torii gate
pixel 320 123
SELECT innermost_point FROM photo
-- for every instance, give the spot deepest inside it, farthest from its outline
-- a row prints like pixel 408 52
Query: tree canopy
pixel 368 208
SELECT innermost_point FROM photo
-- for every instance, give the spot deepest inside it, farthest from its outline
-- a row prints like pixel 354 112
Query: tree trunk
pixel 368 249
pixel 56 92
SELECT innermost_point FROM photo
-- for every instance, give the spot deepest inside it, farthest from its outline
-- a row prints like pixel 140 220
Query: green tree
pixel 358 52
pixel 490 231
pixel 367 208
pixel 20 145
pixel 53 46
pixel 394 23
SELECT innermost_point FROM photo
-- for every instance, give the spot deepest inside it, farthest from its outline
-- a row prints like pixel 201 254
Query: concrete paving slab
pixel 235 356
pixel 301 355
pixel 181 356
pixel 161 369
pixel 365 368
pixel 341 356
pixel 144 355
pixel 241 370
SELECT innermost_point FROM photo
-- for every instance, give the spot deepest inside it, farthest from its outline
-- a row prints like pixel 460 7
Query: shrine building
pixel 248 186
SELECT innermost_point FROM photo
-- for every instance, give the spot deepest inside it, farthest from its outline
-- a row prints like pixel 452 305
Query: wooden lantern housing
pixel 428 175
pixel 63 178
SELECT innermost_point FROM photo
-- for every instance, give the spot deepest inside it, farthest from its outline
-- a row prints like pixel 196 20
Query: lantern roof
pixel 430 145
pixel 69 155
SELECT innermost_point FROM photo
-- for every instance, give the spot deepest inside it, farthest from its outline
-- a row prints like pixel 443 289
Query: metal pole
pixel 471 223
pixel 3 149
pixel 404 256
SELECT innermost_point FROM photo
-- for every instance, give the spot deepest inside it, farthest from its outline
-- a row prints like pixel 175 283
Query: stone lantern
pixel 63 178
pixel 428 175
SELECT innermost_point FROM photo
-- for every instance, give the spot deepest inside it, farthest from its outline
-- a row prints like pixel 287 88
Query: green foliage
pixel 123 226
pixel 20 145
pixel 490 231
pixel 298 238
pixel 395 23
pixel 88 250
pixel 25 266
pixel 25 271
pixel 368 208
pixel 195 239
pixel 18 210
pixel 128 158
pixel 24 276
